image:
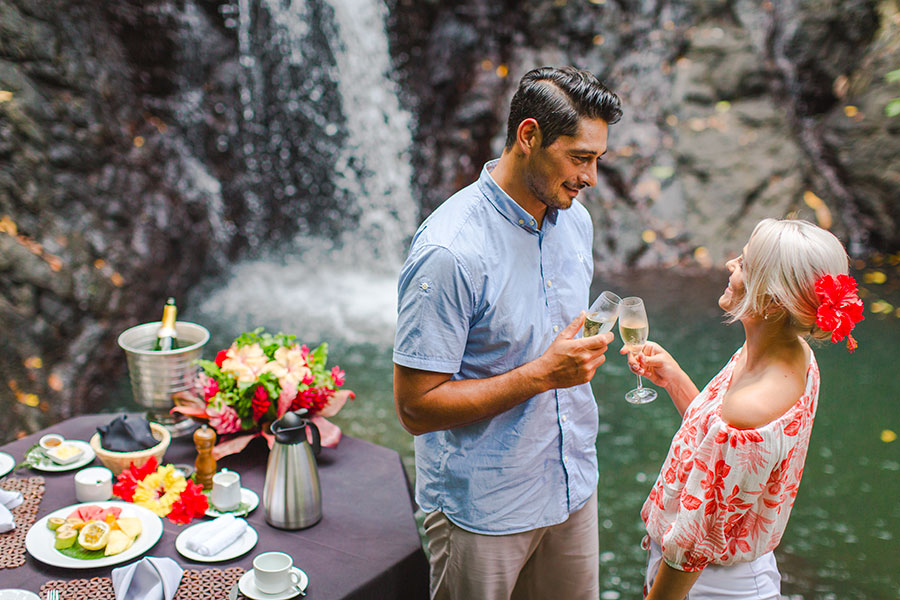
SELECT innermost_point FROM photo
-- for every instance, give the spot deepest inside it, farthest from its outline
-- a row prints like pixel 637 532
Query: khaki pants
pixel 560 561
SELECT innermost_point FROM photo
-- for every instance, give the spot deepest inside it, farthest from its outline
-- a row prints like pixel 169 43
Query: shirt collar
pixel 508 207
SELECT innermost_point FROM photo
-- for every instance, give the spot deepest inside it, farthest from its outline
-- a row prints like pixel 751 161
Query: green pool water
pixel 841 541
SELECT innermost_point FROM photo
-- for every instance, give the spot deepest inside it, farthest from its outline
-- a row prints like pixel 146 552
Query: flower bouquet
pixel 163 490
pixel 256 380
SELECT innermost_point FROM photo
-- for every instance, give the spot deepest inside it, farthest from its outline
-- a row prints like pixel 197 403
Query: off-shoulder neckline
pixel 789 414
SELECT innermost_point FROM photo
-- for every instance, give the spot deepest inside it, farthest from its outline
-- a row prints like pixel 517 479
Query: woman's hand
pixel 654 363
pixel 659 367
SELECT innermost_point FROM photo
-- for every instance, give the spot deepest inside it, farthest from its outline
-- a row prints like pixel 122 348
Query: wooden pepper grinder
pixel 205 465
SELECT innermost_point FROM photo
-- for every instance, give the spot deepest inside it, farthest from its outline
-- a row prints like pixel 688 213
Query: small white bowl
pixel 51 440
pixel 65 454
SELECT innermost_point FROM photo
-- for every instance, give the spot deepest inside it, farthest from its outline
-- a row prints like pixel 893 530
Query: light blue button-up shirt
pixel 482 292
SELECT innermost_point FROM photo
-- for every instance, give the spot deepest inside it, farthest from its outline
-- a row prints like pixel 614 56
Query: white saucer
pixel 249 501
pixel 6 465
pixel 247 585
pixel 239 547
pixel 11 594
pixel 47 464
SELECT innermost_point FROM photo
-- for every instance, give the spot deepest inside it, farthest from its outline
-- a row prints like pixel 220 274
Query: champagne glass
pixel 634 327
pixel 602 314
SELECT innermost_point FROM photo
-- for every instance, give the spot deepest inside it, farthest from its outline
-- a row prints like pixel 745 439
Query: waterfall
pixel 322 288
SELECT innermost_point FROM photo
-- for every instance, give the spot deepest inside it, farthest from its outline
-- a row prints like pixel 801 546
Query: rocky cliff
pixel 144 144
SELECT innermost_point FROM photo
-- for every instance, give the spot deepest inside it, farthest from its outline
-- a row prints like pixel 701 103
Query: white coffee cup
pixel 273 572
pixel 93 484
pixel 226 490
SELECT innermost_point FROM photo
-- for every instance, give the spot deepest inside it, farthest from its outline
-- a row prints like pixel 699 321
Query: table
pixel 365 546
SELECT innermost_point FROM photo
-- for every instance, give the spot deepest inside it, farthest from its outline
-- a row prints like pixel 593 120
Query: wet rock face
pixel 140 150
pixel 729 113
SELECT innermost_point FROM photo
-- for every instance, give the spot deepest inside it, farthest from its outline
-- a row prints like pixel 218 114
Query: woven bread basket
pixel 119 461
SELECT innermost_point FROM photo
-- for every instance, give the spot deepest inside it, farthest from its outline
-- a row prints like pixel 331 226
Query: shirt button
pixel 564 418
pixel 521 221
pixel 565 459
pixel 424 286
pixel 555 328
pixel 549 283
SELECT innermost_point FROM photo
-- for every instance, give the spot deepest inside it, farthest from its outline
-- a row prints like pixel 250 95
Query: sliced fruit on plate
pixel 92 512
pixel 118 541
pixel 94 535
pixel 130 526
pixel 54 523
pixel 65 537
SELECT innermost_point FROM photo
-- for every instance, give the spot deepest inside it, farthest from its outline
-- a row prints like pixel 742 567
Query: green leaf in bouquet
pixel 317 357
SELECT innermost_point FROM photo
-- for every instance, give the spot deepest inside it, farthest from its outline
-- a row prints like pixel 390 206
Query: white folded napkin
pixel 208 539
pixel 7 523
pixel 151 578
pixel 10 499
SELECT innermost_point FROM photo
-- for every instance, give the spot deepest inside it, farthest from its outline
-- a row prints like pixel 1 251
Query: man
pixel 488 372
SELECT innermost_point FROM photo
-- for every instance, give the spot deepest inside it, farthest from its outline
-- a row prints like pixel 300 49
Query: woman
pixel 726 488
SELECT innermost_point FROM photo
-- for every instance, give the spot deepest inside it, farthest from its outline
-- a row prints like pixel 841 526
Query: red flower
pixel 125 486
pixel 192 503
pixel 261 402
pixel 220 357
pixel 840 307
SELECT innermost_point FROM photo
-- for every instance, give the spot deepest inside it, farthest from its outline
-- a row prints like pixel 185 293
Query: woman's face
pixel 735 291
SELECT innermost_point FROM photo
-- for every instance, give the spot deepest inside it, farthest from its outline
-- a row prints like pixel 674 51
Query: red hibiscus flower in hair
pixel 839 307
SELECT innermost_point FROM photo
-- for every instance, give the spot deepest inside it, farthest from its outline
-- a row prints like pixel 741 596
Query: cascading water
pixel 331 287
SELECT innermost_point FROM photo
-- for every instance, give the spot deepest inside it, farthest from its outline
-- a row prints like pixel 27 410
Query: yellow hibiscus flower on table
pixel 159 490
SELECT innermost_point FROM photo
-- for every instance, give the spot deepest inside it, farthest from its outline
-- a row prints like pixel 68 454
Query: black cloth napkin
pixel 126 435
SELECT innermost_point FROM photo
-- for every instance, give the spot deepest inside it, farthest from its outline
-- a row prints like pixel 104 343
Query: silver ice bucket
pixel 156 375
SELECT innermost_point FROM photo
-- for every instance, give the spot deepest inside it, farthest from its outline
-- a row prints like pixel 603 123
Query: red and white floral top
pixel 724 494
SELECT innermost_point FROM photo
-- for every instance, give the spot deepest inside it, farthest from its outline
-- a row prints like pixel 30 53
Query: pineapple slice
pixel 130 526
pixel 118 542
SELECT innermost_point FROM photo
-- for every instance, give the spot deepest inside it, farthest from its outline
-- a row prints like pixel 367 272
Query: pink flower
pixel 210 388
pixel 223 420
pixel 246 362
pixel 338 375
pixel 290 367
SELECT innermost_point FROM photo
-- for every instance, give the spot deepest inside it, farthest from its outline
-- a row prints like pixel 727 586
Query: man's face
pixel 557 173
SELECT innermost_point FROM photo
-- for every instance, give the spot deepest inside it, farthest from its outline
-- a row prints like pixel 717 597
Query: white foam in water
pixel 314 302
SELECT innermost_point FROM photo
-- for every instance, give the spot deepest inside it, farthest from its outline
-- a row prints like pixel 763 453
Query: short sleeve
pixel 725 512
pixel 435 304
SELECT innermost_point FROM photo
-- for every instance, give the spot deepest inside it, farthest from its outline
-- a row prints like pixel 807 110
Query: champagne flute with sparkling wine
pixel 601 316
pixel 634 327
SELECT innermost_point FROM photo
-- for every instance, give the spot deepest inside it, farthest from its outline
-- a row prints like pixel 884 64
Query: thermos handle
pixel 316 438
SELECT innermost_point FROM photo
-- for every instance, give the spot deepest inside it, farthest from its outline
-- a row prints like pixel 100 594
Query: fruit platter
pixel 98 534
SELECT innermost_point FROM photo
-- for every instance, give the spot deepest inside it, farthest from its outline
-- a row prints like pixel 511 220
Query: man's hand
pixel 569 361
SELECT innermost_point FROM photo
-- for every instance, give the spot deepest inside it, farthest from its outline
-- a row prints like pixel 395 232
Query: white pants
pixel 755 580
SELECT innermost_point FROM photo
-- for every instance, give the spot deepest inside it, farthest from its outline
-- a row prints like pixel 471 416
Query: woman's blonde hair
pixel 783 261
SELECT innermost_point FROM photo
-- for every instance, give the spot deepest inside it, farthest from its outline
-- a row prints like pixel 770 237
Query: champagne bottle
pixel 165 335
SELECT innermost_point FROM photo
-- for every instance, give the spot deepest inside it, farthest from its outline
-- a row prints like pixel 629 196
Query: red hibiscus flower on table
pixel 162 489
pixel 840 308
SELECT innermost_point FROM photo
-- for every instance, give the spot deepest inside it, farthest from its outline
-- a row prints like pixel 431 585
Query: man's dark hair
pixel 558 98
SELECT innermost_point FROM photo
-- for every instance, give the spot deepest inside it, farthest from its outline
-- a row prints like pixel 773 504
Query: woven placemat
pixel 12 543
pixel 208 584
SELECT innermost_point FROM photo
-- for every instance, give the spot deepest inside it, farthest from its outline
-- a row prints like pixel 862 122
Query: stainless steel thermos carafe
pixel 292 496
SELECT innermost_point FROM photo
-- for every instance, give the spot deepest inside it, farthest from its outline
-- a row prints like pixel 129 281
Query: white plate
pixel 247 585
pixel 7 463
pixel 18 595
pixel 47 464
pixel 249 501
pixel 39 539
pixel 239 547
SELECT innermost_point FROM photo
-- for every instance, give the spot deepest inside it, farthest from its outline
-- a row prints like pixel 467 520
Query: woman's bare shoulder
pixel 764 399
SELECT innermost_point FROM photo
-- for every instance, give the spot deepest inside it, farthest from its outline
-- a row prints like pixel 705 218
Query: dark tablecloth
pixel 365 546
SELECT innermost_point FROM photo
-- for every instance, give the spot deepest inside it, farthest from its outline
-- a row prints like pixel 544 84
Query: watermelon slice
pixel 92 512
